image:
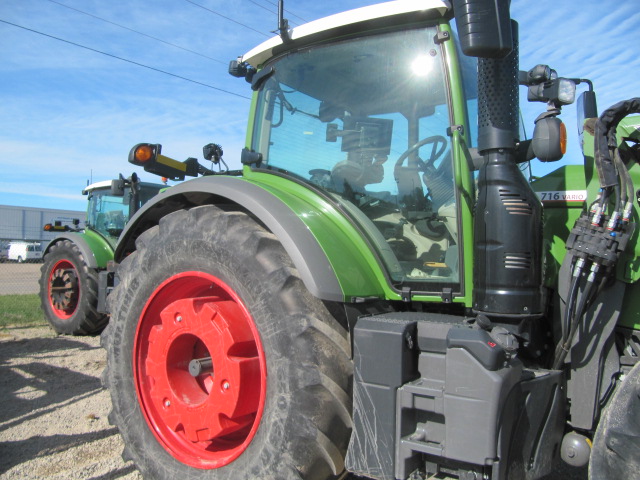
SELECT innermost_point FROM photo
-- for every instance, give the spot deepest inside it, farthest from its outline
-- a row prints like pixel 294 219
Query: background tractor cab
pixel 112 202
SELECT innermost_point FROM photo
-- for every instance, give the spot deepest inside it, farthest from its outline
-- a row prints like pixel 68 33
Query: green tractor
pixel 378 293
pixel 73 260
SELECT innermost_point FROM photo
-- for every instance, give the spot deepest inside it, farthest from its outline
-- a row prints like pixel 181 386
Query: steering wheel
pixel 439 146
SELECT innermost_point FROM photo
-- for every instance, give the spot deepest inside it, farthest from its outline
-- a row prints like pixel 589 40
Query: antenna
pixel 283 23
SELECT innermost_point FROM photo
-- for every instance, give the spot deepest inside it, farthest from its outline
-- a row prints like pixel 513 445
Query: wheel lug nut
pixel 178 318
pixel 226 385
pixel 167 403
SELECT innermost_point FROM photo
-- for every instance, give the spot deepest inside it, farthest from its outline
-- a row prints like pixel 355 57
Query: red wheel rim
pixel 204 419
pixel 64 292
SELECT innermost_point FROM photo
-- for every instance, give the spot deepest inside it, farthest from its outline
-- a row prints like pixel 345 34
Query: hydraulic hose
pixel 605 138
pixel 627 187
pixel 622 174
pixel 592 241
pixel 571 298
pixel 563 348
pixel 570 305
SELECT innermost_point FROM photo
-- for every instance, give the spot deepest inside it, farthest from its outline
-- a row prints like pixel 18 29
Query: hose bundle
pixel 598 238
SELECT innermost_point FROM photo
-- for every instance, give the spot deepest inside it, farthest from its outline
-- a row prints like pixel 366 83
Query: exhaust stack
pixel 508 216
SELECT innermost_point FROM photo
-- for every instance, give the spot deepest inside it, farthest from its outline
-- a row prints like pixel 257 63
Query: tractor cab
pixel 367 121
pixel 113 202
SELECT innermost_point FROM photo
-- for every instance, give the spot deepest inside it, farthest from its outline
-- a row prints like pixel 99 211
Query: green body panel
pixel 630 311
pixel 562 203
pixel 359 272
pixel 629 127
pixel 101 248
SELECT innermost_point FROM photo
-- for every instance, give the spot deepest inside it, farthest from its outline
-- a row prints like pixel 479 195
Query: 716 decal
pixel 563 196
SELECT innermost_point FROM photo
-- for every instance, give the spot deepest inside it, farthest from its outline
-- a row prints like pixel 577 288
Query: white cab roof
pixel 96 185
pixel 264 51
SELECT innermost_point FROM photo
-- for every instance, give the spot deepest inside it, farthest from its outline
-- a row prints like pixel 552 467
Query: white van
pixel 25 252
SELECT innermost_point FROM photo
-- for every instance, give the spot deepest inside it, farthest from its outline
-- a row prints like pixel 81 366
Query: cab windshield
pixel 365 120
pixel 107 213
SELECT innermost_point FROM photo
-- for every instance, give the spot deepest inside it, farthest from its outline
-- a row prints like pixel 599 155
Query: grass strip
pixel 21 310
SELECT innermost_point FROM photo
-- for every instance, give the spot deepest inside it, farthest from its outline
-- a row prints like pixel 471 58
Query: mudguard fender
pixel 303 248
pixel 95 253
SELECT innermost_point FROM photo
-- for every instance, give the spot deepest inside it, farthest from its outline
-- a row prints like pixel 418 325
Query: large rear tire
pixel 617 440
pixel 69 291
pixel 269 395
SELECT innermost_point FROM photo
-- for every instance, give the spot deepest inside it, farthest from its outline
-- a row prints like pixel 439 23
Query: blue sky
pixel 68 114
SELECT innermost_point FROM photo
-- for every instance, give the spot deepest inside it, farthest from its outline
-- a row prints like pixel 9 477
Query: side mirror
pixel 117 187
pixel 587 108
pixel 332 132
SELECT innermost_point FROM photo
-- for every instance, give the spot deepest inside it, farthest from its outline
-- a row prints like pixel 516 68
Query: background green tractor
pixel 73 260
pixel 378 292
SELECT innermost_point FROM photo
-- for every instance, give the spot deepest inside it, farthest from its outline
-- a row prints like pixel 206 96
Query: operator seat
pixel 352 175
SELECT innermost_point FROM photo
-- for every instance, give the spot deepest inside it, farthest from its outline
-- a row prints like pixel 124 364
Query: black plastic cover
pixel 508 242
pixel 385 358
pixel 479 344
pixel 432 334
pixel 249 157
pixel 484 27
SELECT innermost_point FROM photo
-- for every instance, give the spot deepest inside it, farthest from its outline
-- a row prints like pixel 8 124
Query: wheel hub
pixel 200 372
pixel 63 289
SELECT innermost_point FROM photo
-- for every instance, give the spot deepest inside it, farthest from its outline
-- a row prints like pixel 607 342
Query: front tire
pixel 69 291
pixel 270 396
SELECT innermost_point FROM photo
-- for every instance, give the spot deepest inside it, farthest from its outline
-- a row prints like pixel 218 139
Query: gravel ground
pixel 53 419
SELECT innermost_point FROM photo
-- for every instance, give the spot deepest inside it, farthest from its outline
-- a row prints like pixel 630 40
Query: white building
pixel 26 223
